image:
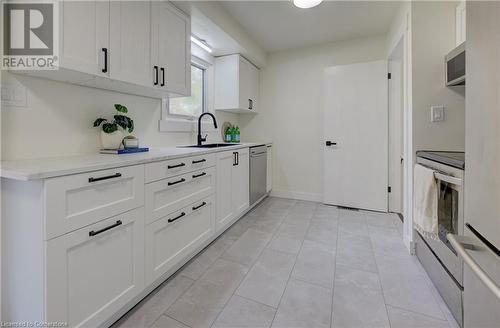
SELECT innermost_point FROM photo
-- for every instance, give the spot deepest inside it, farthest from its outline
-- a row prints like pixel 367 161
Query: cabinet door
pixel 172 48
pixel 240 182
pixel 95 271
pixel 130 39
pixel 269 178
pixel 249 84
pixel 84 32
pixel 225 209
pixel 174 237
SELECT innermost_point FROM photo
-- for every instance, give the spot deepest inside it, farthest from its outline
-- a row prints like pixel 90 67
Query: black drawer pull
pixel 95 233
pixel 199 206
pixel 199 161
pixel 105 51
pixel 116 175
pixel 155 68
pixel 199 175
pixel 175 166
pixel 176 218
pixel 176 182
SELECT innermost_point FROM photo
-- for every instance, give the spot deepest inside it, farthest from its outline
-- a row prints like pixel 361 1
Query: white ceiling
pixel 279 25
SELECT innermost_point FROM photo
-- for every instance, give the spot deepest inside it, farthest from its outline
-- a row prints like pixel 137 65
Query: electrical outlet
pixel 437 113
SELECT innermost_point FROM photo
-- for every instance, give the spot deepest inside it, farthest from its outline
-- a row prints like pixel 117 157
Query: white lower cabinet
pixel 176 236
pixel 95 271
pixel 233 196
pixel 81 249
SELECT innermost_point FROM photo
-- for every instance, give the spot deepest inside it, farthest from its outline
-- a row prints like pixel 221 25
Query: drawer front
pixel 169 195
pixel 170 168
pixel 95 271
pixel 75 201
pixel 173 237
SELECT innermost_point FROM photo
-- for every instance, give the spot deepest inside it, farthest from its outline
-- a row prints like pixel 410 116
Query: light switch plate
pixel 437 113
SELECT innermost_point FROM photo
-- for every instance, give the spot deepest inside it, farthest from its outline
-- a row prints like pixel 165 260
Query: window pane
pixel 193 105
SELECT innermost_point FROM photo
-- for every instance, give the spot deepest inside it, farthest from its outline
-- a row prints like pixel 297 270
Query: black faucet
pixel 200 138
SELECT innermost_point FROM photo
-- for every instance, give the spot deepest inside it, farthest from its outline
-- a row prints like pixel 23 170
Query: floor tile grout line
pixel 289 277
pixel 418 313
pixel 334 274
pixel 244 277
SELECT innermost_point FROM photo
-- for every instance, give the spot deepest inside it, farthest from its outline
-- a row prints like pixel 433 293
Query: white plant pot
pixel 112 140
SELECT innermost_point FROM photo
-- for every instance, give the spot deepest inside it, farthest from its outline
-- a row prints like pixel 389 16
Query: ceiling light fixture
pixel 304 4
pixel 202 43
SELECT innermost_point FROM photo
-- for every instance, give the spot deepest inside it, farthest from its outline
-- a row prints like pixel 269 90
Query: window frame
pixel 204 66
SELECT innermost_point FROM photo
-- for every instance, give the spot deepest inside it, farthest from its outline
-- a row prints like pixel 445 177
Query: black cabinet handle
pixel 95 233
pixel 250 104
pixel 234 158
pixel 199 206
pixel 105 51
pixel 176 182
pixel 198 175
pixel 237 158
pixel 175 166
pixel 162 76
pixel 199 161
pixel 329 143
pixel 116 175
pixel 155 68
pixel 177 217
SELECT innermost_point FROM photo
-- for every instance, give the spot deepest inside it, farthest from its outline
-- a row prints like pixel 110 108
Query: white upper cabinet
pixel 236 85
pixel 130 42
pixel 84 36
pixel 171 27
pixel 135 47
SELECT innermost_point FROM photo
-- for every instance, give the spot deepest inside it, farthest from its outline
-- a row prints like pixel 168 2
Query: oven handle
pixel 483 276
pixel 448 178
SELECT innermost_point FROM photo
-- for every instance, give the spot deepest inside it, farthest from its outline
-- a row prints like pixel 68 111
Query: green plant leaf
pixel 121 108
pixel 99 121
pixel 130 125
pixel 109 127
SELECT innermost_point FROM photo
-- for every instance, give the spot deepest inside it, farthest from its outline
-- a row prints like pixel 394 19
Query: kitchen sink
pixel 212 145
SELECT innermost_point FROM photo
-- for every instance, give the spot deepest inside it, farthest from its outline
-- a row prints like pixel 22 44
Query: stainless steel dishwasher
pixel 258 173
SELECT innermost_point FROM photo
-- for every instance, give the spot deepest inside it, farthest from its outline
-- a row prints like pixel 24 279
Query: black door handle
pixel 162 76
pixel 199 206
pixel 94 233
pixel 156 75
pixel 250 104
pixel 329 143
pixel 199 175
pixel 176 182
pixel 199 161
pixel 105 51
pixel 177 217
pixel 116 175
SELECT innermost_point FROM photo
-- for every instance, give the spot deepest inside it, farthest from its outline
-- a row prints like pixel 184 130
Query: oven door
pixel 450 220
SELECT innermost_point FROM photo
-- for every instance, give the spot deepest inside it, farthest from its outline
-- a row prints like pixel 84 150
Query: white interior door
pixel 356 124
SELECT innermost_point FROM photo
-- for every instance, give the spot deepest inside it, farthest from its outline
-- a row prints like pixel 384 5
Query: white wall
pixel 433 36
pixel 57 120
pixel 291 112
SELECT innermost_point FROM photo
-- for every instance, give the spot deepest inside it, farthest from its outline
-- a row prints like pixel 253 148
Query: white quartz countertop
pixel 43 168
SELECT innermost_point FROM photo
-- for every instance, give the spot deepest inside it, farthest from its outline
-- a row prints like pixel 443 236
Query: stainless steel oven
pixel 438 256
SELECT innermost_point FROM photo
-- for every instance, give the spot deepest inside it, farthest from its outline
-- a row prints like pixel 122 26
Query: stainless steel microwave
pixel 455 66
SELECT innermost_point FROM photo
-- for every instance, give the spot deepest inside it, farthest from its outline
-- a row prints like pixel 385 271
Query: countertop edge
pixel 40 174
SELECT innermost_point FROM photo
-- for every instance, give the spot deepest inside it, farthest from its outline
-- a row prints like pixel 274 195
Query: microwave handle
pixel 448 178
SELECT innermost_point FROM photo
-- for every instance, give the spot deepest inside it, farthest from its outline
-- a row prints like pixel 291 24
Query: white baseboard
pixel 298 195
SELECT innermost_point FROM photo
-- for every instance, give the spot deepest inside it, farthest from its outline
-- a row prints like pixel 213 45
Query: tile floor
pixel 299 264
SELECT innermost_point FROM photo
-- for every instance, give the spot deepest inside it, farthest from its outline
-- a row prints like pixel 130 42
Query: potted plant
pixel 113 132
